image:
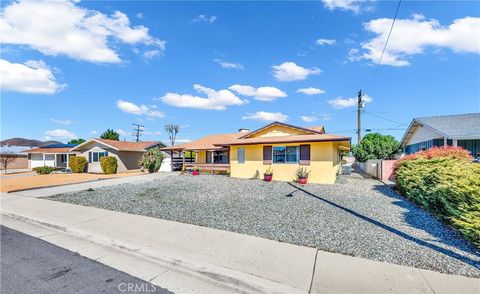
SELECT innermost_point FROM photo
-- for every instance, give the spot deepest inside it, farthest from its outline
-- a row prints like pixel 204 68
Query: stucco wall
pixel 324 163
pixel 20 162
pixel 126 160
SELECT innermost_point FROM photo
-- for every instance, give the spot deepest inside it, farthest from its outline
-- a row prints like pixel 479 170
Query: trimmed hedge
pixel 447 186
pixel 44 170
pixel 77 164
pixel 109 164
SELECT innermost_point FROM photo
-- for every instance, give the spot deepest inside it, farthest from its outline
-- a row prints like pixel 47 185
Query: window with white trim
pixel 97 155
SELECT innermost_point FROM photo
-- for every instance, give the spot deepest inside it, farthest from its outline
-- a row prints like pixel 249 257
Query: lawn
pixel 359 217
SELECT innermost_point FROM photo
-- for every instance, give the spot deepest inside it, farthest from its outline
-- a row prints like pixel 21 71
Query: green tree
pixel 375 146
pixel 110 135
pixel 76 141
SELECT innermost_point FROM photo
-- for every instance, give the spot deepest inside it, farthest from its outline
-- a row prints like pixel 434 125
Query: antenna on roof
pixel 138 131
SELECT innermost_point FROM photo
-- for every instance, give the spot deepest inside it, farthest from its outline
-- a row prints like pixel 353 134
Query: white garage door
pixel 37 160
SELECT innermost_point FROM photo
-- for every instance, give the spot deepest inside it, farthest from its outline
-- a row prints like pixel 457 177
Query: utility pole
pixel 359 120
pixel 138 131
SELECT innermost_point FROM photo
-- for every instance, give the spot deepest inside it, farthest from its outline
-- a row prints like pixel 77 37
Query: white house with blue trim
pixel 446 130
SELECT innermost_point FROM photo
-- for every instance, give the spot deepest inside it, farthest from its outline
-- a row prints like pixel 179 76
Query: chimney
pixel 244 130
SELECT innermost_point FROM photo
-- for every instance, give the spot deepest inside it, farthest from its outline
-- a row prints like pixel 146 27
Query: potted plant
pixel 268 174
pixel 302 175
pixel 195 171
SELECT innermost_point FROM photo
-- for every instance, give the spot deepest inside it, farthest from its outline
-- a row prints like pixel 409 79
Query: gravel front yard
pixel 359 217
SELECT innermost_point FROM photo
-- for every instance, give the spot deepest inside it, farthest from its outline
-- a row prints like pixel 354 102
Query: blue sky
pixel 74 69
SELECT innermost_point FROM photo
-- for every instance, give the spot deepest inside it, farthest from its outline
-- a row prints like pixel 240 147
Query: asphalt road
pixel 30 265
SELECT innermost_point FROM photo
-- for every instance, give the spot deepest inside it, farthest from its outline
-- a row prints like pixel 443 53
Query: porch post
pixel 43 154
pixel 68 158
pixel 455 143
pixel 55 161
pixel 444 142
pixel 183 158
pixel 171 160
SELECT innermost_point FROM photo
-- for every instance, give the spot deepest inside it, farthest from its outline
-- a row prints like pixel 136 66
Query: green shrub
pixel 77 164
pixel 109 164
pixel 44 170
pixel 152 160
pixel 448 187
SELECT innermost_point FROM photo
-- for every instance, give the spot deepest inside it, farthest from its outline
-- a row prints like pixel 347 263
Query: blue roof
pixel 59 146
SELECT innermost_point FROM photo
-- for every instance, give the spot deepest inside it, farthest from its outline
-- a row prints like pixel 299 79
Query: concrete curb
pixel 225 277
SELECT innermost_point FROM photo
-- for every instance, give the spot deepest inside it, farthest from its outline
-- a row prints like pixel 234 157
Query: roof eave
pixel 292 141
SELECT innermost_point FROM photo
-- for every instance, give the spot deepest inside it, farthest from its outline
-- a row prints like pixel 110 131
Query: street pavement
pixel 30 265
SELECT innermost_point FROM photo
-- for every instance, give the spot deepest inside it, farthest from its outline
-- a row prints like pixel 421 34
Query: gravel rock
pixel 359 217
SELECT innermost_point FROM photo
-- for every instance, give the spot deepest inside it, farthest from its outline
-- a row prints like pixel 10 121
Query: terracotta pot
pixel 195 172
pixel 302 181
pixel 267 178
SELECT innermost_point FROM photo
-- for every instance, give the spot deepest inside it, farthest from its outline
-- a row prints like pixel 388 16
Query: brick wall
pixel 387 170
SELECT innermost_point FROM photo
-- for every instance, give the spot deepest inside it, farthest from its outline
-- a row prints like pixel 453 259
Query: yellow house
pixel 279 146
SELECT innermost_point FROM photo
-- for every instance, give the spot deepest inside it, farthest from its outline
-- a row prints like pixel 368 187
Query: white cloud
pixel 122 132
pixel 322 42
pixel 93 132
pixel 62 122
pixel 289 71
pixel 149 54
pixel 351 5
pixel 139 15
pixel 204 18
pixel 182 140
pixel 311 91
pixel 261 93
pixel 154 133
pixel 30 77
pixel 340 102
pixel 266 116
pixel 214 100
pixel 308 118
pixel 226 64
pixel 412 36
pixel 64 28
pixel 132 108
pixel 61 134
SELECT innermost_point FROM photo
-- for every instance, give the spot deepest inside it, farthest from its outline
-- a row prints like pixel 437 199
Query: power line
pixel 388 38
pixel 384 118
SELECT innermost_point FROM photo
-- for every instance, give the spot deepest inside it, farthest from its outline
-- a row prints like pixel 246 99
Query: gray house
pixel 128 154
pixel 453 130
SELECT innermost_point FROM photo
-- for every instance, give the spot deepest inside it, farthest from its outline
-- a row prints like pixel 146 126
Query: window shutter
pixel 305 154
pixel 267 154
pixel 106 153
pixel 89 157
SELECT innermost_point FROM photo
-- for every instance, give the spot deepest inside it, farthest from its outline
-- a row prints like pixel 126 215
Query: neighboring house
pixel 281 146
pixel 54 155
pixel 447 130
pixel 21 159
pixel 128 154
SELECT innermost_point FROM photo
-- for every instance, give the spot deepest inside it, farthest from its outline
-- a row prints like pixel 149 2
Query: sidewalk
pixel 233 261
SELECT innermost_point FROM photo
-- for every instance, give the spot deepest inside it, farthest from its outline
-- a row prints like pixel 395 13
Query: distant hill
pixel 27 142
